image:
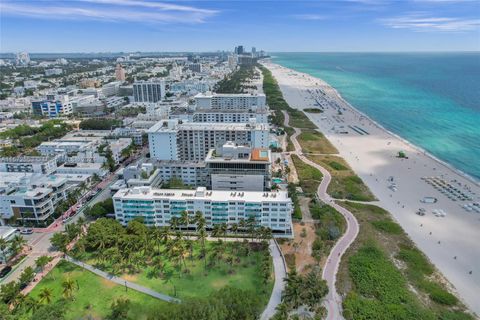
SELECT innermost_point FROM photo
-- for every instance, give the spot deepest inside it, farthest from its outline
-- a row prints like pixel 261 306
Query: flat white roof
pixel 159 126
pixel 147 193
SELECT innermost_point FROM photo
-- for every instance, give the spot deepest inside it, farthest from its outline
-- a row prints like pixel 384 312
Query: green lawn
pixel 95 294
pixel 313 141
pixel 243 273
pixel 200 282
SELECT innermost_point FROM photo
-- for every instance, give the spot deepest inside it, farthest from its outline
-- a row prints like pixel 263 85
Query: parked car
pixel 5 271
pixel 27 231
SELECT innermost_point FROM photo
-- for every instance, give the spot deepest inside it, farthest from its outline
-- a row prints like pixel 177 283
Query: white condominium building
pixel 230 101
pixel 148 91
pixel 45 165
pixel 31 198
pixel 177 140
pixel 158 206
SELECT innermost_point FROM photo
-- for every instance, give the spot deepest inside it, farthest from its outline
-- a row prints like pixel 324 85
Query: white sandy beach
pixel 373 157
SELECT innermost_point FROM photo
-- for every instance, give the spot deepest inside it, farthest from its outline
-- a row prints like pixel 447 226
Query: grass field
pixel 298 119
pixel 313 141
pixel 308 176
pixel 386 277
pixel 95 294
pixel 345 183
pixel 241 271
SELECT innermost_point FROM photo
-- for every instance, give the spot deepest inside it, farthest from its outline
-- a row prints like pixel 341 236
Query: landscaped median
pixel 384 276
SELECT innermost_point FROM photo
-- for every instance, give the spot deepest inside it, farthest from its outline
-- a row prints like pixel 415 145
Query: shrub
pixel 387 226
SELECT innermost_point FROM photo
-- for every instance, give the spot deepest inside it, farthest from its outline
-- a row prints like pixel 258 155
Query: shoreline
pixel 380 126
pixel 372 157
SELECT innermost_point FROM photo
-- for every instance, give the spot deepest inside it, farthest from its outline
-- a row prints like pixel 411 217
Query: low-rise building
pixel 30 198
pixel 158 206
pixel 44 165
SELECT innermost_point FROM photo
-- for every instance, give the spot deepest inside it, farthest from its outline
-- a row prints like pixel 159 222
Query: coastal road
pixel 333 302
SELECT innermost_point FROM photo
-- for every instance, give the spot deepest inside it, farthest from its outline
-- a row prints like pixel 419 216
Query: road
pixel 39 241
pixel 280 270
pixel 333 301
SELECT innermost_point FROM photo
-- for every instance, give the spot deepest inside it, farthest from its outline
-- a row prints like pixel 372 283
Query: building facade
pixel 175 140
pixel 44 165
pixel 148 91
pixel 230 101
pixel 238 168
pixel 158 206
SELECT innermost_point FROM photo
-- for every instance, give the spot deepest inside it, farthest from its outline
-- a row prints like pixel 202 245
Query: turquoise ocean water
pixel 429 99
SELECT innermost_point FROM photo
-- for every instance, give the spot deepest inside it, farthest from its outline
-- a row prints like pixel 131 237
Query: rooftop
pixel 139 193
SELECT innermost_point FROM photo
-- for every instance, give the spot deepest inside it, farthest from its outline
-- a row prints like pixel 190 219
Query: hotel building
pixel 177 140
pixel 149 91
pixel 158 206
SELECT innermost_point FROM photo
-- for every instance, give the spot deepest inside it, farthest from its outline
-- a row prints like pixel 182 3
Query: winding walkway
pixel 122 282
pixel 280 270
pixel 333 301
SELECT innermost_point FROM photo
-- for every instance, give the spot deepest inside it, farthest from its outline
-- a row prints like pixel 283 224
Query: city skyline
pixel 350 25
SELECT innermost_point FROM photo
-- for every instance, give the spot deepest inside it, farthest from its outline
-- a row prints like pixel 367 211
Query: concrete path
pixel 333 301
pixel 280 270
pixel 123 282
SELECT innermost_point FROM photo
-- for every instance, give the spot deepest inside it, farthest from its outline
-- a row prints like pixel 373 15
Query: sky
pixel 274 26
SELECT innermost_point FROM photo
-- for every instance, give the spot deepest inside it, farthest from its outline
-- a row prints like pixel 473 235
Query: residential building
pixel 238 168
pixel 30 199
pixel 230 101
pixel 22 58
pixel 44 165
pixel 195 67
pixel 53 106
pixel 148 91
pixel 53 72
pixel 119 72
pixel 177 140
pixel 158 206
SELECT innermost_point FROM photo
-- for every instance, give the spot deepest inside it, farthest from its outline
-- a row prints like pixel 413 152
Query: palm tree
pixel 17 243
pixel 68 287
pixel 234 228
pixel 165 234
pixel 223 229
pixel 30 303
pixel 185 219
pixel 45 295
pixel 282 311
pixel 199 219
pixel 156 235
pixel 216 232
pixel 174 223
pixel 242 224
pixel 3 248
pixel 202 236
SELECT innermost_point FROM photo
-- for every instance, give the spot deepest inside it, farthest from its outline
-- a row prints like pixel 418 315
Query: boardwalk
pixel 123 282
pixel 333 301
pixel 280 270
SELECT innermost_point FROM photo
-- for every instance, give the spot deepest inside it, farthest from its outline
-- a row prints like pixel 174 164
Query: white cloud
pixel 309 17
pixel 110 10
pixel 422 22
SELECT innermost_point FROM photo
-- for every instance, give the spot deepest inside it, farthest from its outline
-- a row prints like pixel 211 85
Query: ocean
pixel 430 99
